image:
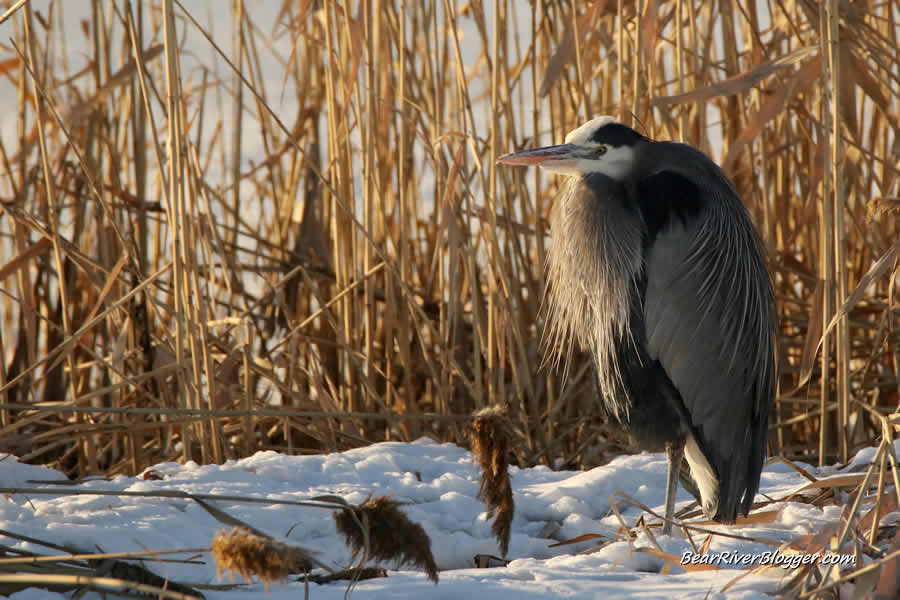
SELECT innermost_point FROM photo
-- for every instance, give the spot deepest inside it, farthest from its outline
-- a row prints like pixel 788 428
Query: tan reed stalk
pixel 826 246
pixel 842 340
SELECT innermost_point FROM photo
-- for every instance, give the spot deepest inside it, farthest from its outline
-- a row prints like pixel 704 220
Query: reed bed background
pixel 191 271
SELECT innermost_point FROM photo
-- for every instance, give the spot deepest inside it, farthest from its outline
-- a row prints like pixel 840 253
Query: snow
pixel 439 484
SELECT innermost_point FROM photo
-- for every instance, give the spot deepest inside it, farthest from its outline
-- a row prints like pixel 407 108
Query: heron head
pixel 602 145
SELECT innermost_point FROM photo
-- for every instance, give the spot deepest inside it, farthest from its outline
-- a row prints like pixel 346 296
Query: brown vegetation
pixel 490 448
pixel 375 273
pixel 378 530
pixel 240 552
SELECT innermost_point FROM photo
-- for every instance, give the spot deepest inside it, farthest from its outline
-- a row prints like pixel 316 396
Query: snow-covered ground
pixel 439 483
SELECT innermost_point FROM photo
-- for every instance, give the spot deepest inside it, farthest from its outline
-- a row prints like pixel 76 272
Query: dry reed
pixel 371 275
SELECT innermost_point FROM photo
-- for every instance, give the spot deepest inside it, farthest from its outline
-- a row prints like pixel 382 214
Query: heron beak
pixel 563 155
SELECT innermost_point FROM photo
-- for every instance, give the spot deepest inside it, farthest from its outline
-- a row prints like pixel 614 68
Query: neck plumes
pixel 595 256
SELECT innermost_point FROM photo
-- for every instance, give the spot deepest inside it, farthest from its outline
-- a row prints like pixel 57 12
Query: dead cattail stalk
pixel 243 553
pixel 490 445
pixel 381 531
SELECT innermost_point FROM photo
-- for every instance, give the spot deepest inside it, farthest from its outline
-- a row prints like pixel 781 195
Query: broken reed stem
pixel 108 584
pixel 97 556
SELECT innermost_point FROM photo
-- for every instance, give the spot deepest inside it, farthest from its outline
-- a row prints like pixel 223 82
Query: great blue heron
pixel 654 265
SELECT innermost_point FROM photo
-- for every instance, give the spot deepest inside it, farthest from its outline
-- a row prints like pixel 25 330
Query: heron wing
pixel 708 314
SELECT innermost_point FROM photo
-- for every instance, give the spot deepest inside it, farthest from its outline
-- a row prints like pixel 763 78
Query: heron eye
pixel 601 150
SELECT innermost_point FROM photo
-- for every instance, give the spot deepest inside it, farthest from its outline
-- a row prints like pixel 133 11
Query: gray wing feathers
pixel 709 320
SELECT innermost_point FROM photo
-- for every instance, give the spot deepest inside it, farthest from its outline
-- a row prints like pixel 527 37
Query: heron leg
pixel 675 456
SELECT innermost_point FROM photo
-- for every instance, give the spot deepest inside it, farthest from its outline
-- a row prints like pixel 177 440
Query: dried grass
pixel 866 497
pixel 78 572
pixel 372 271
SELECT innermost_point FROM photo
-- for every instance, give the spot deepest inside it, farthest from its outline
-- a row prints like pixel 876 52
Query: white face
pixel 581 155
pixel 613 161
